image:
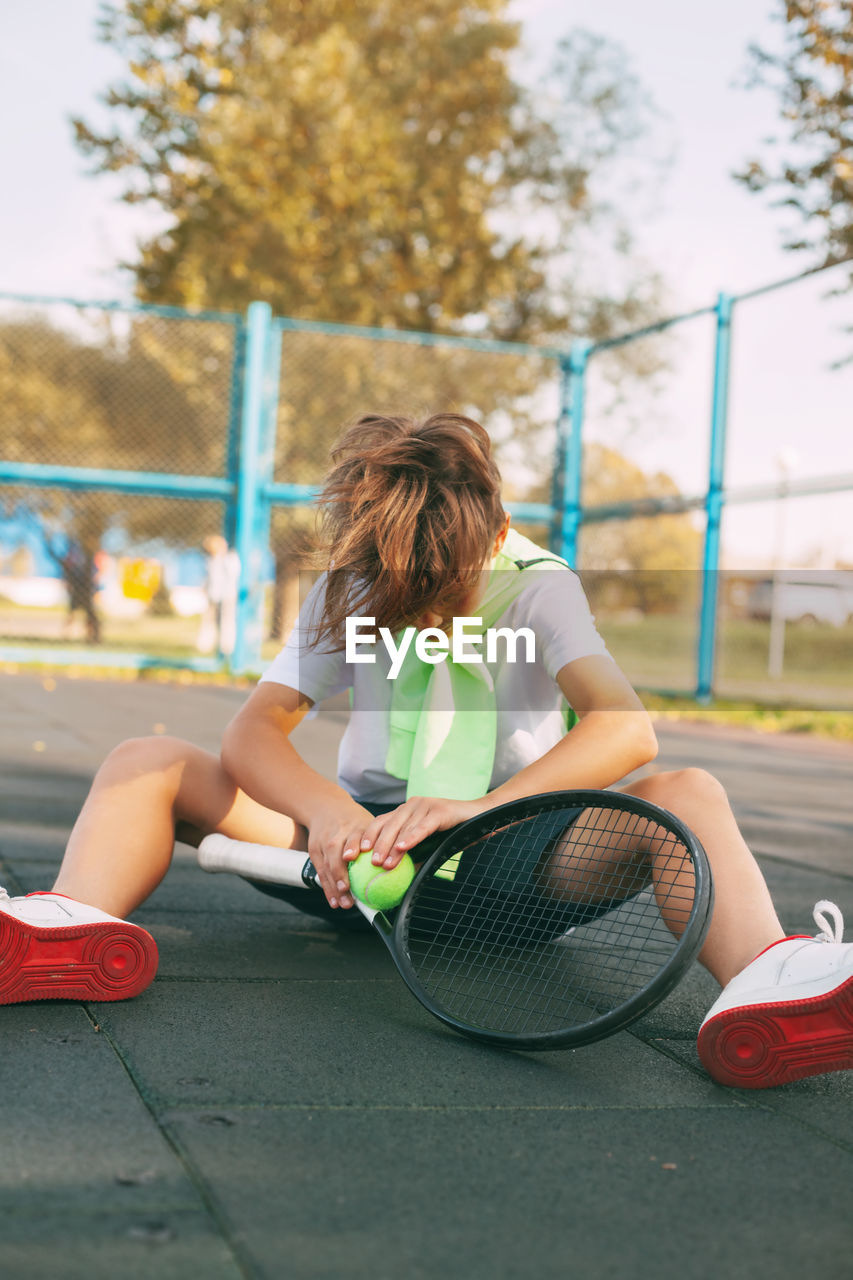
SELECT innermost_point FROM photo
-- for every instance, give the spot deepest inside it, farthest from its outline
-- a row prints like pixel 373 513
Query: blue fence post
pixel 714 501
pixel 555 532
pixel 253 476
pixel 264 503
pixel 235 409
pixel 572 389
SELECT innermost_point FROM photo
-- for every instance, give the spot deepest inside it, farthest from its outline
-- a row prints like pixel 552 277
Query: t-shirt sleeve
pixel 557 610
pixel 315 671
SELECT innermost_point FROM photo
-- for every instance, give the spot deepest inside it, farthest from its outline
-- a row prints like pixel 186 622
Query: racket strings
pixel 551 920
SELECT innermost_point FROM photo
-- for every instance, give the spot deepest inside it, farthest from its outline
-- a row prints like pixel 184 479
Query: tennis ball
pixel 376 887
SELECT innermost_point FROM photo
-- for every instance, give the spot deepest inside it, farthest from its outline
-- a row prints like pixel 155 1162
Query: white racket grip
pixel 257 861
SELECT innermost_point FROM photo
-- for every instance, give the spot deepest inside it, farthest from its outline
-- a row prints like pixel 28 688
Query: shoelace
pixel 828 932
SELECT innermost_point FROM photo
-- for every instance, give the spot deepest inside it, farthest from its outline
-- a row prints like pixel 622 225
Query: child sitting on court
pixel 418 535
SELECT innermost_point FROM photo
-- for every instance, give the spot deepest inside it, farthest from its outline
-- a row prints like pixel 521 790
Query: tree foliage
pixel 366 163
pixel 812 169
pixel 375 164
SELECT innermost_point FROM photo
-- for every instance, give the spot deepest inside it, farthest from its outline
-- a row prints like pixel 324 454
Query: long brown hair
pixel 410 511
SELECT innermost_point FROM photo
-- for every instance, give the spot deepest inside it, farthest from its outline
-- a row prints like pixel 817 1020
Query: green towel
pixel 443 722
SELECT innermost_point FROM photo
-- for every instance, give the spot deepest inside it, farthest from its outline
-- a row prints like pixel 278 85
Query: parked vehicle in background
pixel 819 596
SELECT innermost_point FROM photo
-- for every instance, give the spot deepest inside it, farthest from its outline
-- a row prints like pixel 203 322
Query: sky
pixel 65 231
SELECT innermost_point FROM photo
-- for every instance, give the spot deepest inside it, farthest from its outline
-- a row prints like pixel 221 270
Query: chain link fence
pixel 157 469
pixel 327 378
pixel 141 446
pixel 716 498
pixel 116 427
pixel 785 629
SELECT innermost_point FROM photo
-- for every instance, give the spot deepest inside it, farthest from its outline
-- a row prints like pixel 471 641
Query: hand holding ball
pixel 376 887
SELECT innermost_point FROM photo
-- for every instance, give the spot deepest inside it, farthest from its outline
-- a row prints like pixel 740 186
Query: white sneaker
pixel 788 1014
pixel 53 948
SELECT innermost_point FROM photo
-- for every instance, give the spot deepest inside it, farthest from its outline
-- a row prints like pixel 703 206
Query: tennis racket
pixel 549 922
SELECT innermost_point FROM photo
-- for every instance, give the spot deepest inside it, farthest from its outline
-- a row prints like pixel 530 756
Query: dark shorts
pixel 314 903
pixel 507 878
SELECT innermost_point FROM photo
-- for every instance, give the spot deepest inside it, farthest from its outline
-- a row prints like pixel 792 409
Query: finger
pixel 412 815
pixel 352 850
pixel 385 843
pixel 419 826
pixel 373 831
pixel 324 878
pixel 338 875
pixel 357 843
pixel 323 881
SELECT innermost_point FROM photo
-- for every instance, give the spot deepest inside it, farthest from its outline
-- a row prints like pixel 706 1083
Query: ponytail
pixel 410 511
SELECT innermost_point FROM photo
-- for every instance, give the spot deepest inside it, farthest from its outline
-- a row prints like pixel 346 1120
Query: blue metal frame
pixel 249 490
pixel 255 470
pixel 573 388
pixel 130 308
pixel 416 338
pixel 153 483
pixel 714 501
pixel 232 450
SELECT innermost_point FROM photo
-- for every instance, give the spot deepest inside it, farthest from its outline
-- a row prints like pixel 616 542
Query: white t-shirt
pixel 530 706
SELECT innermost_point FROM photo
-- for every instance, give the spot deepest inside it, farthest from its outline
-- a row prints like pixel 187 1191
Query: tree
pixel 365 163
pixel 813 78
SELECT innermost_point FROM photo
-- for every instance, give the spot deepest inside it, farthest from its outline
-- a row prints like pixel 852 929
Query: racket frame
pixel 686 948
pixel 294 868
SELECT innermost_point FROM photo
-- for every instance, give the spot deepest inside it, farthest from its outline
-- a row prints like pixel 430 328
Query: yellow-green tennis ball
pixel 376 887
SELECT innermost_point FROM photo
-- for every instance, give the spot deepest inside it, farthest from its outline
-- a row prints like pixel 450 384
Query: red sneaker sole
pixel 109 961
pixel 760 1046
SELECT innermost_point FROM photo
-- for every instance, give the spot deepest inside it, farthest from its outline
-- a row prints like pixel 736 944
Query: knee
pixel 138 756
pixel 685 788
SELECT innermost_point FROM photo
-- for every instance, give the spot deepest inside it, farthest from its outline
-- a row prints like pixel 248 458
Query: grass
pixel 814 695
pixel 836 726
pixel 660 652
pixel 169 637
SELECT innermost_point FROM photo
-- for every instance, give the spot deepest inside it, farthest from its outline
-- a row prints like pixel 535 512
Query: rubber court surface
pixel 277 1105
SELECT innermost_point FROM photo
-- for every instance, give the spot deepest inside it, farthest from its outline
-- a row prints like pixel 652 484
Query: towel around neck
pixel 443 726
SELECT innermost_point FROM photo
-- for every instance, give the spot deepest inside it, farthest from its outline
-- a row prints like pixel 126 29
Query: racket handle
pixel 256 861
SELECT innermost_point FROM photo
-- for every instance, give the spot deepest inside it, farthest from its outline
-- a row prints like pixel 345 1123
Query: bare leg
pixel 744 921
pixel 121 845
pixel 609 855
